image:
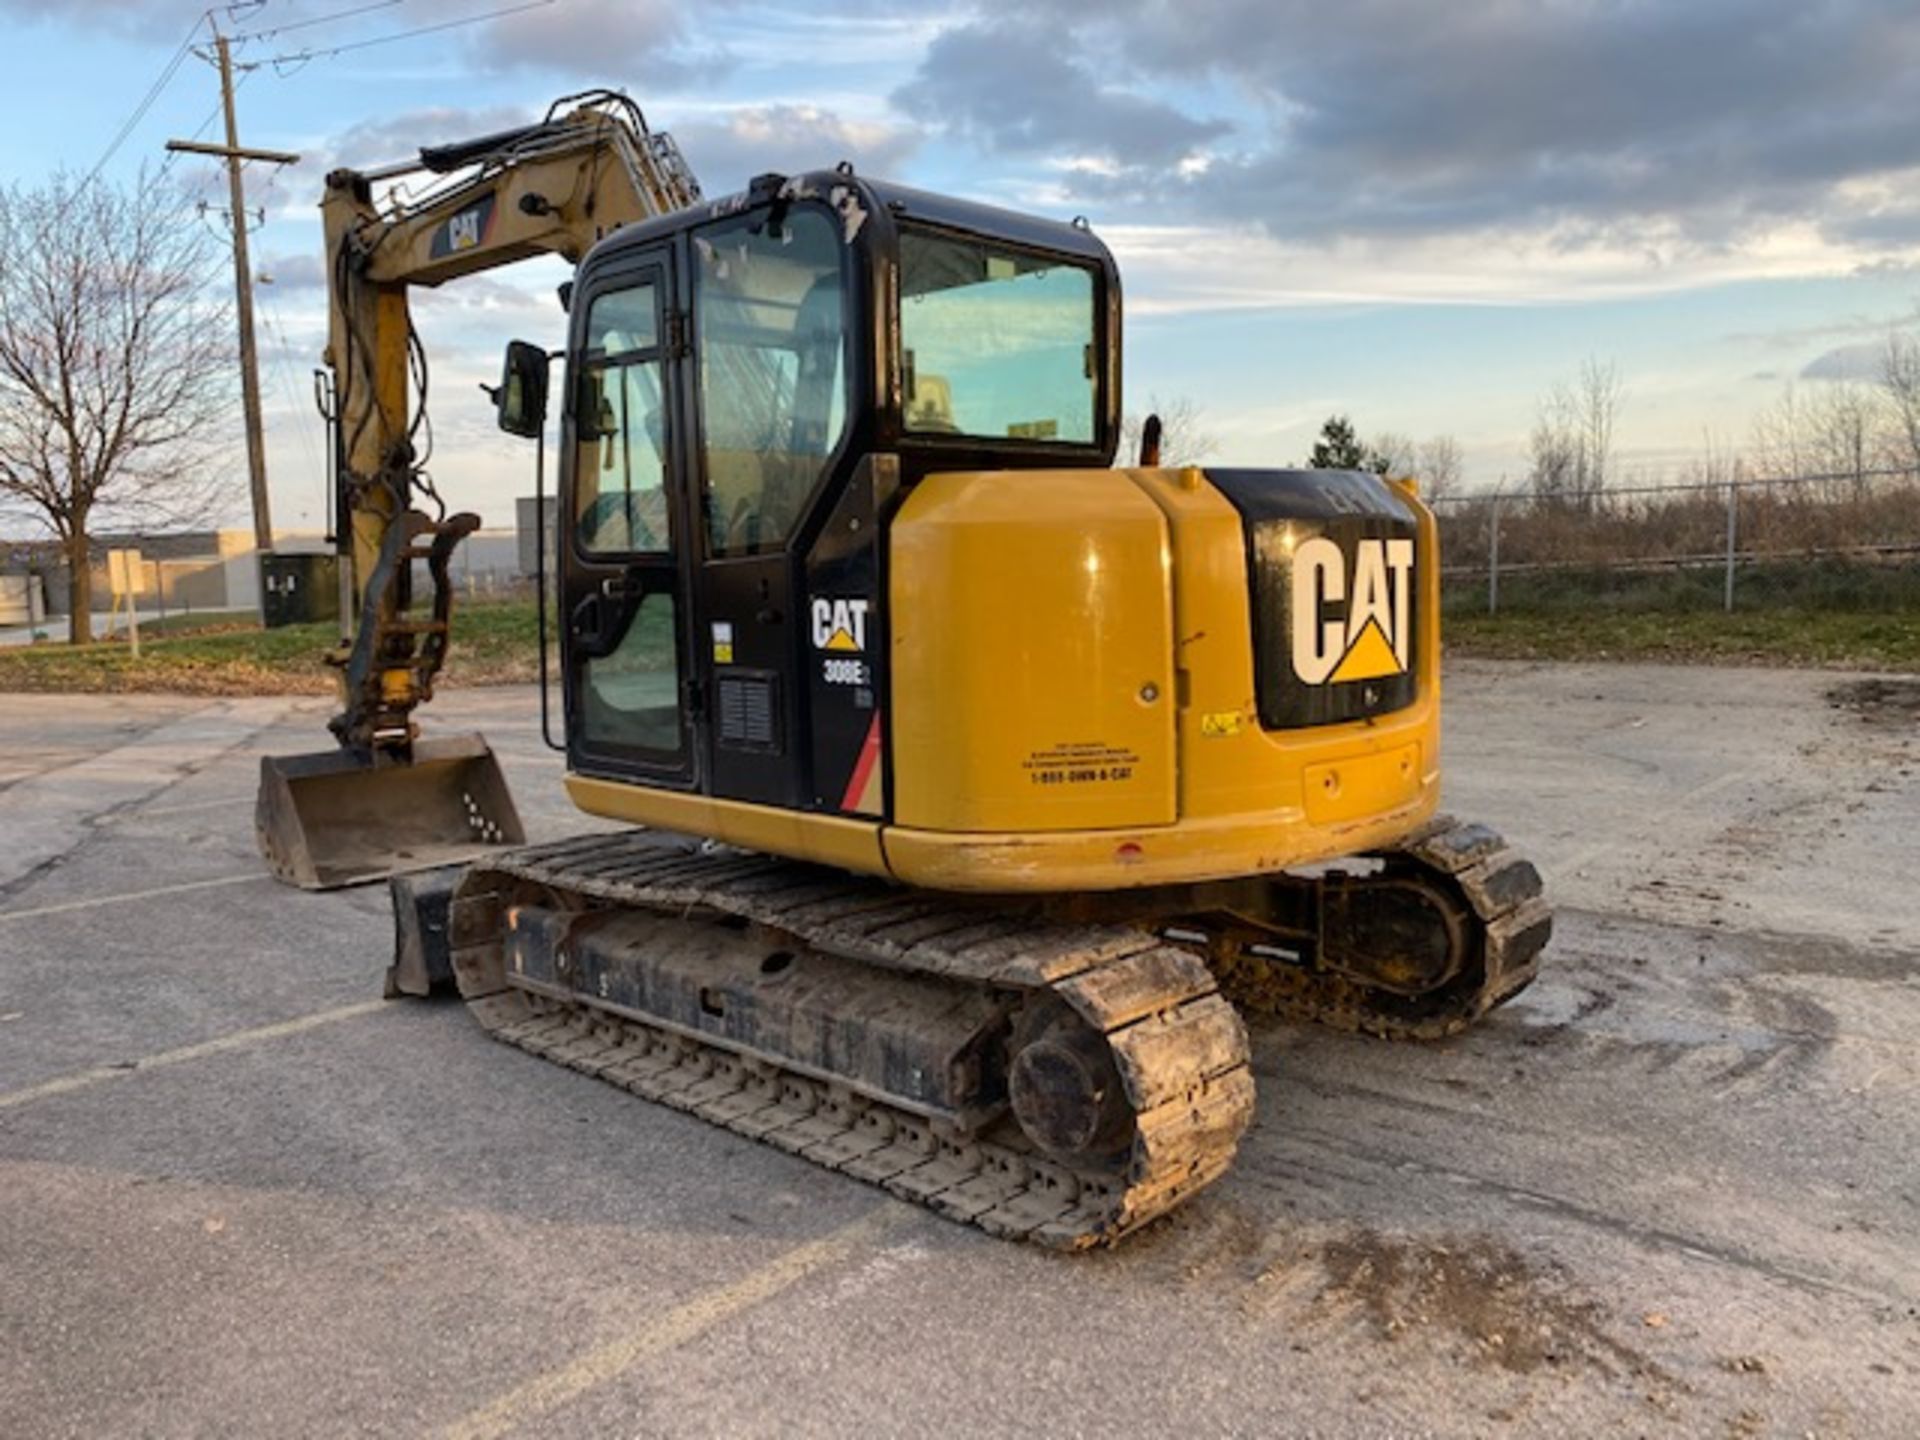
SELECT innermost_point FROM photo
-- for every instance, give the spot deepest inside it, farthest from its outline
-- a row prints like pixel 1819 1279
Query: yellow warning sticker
pixel 1217 723
pixel 1081 763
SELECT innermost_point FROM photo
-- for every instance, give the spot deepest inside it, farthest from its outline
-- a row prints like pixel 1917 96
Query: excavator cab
pixel 740 421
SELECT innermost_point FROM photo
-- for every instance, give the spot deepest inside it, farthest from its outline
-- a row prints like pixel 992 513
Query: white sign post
pixel 127 576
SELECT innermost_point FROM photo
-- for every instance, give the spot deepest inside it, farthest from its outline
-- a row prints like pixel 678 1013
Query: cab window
pixel 620 427
pixel 995 343
pixel 770 327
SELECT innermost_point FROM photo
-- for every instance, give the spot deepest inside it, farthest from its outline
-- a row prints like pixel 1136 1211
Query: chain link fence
pixel 1733 541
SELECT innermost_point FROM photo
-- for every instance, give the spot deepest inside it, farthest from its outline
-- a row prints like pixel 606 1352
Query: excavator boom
pixel 383 800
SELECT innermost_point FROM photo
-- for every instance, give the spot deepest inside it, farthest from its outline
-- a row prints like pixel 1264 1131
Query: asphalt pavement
pixel 1671 1189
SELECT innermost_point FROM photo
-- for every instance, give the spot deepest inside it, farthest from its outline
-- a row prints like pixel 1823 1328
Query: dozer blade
pixel 331 819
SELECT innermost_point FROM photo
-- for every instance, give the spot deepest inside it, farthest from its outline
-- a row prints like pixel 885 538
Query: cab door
pixel 771 340
pixel 624 521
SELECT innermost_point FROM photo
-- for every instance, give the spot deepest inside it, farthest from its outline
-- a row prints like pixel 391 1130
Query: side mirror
pixel 522 396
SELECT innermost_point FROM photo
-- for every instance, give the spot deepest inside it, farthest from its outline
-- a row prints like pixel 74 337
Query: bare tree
pixel 1598 394
pixel 114 369
pixel 1395 452
pixel 1717 465
pixel 1441 467
pixel 1434 463
pixel 1845 430
pixel 1781 442
pixel 1571 447
pixel 1184 439
pixel 1553 450
pixel 1900 382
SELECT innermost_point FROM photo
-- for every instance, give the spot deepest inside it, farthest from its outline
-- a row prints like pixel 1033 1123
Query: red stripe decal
pixel 863 767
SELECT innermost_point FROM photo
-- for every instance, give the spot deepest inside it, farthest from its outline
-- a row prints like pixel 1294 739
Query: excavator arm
pixel 384 801
pixel 553 187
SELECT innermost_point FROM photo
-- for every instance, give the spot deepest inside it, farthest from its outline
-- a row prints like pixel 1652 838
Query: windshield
pixel 996 343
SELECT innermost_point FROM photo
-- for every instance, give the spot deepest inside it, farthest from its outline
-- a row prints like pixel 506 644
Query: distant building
pixel 23 599
pixel 187 570
pixel 211 570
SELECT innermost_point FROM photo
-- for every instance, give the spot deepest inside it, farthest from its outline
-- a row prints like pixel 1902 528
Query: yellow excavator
pixel 973 785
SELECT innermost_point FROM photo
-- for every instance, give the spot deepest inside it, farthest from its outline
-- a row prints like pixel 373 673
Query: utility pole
pixel 234 155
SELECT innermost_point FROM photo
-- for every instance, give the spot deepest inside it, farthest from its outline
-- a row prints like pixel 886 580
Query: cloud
pixel 1797 336
pixel 1206 265
pixel 647 43
pixel 293 273
pixel 1684 129
pixel 401 137
pixel 1007 86
pixel 728 150
pixel 1893 226
pixel 1847 362
pixel 143 19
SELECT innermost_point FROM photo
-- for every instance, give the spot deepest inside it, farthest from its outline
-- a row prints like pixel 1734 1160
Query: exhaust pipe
pixel 338 818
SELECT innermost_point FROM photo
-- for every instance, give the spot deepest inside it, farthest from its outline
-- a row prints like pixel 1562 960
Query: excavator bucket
pixel 334 818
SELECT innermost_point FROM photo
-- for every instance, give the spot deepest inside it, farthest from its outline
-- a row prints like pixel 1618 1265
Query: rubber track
pixel 1510 925
pixel 1181 1048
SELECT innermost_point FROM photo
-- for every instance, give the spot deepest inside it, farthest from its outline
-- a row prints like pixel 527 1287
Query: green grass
pixel 493 643
pixel 1819 585
pixel 1843 639
pixel 1830 613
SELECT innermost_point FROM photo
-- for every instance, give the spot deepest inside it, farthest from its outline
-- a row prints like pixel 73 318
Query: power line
pixel 168 71
pixel 234 153
pixel 298 59
pixel 244 36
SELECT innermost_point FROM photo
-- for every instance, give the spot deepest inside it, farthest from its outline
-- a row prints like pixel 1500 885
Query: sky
pixel 1423 215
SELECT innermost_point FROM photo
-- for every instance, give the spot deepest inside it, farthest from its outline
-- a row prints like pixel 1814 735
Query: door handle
pixel 601 618
pixel 588 625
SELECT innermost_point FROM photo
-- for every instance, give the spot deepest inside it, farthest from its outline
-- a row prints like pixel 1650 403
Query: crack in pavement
pixel 66 823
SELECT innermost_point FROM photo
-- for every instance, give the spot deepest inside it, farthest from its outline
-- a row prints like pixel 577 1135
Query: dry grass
pixel 1781 522
pixel 1822 613
pixel 493 645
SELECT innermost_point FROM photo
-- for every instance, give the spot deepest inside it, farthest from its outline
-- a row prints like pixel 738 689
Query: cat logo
pixel 463 230
pixel 1352 626
pixel 840 625
pixel 466 229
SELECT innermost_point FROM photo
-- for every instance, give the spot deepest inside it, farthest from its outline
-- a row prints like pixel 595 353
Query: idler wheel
pixel 1065 1088
pixel 1400 933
